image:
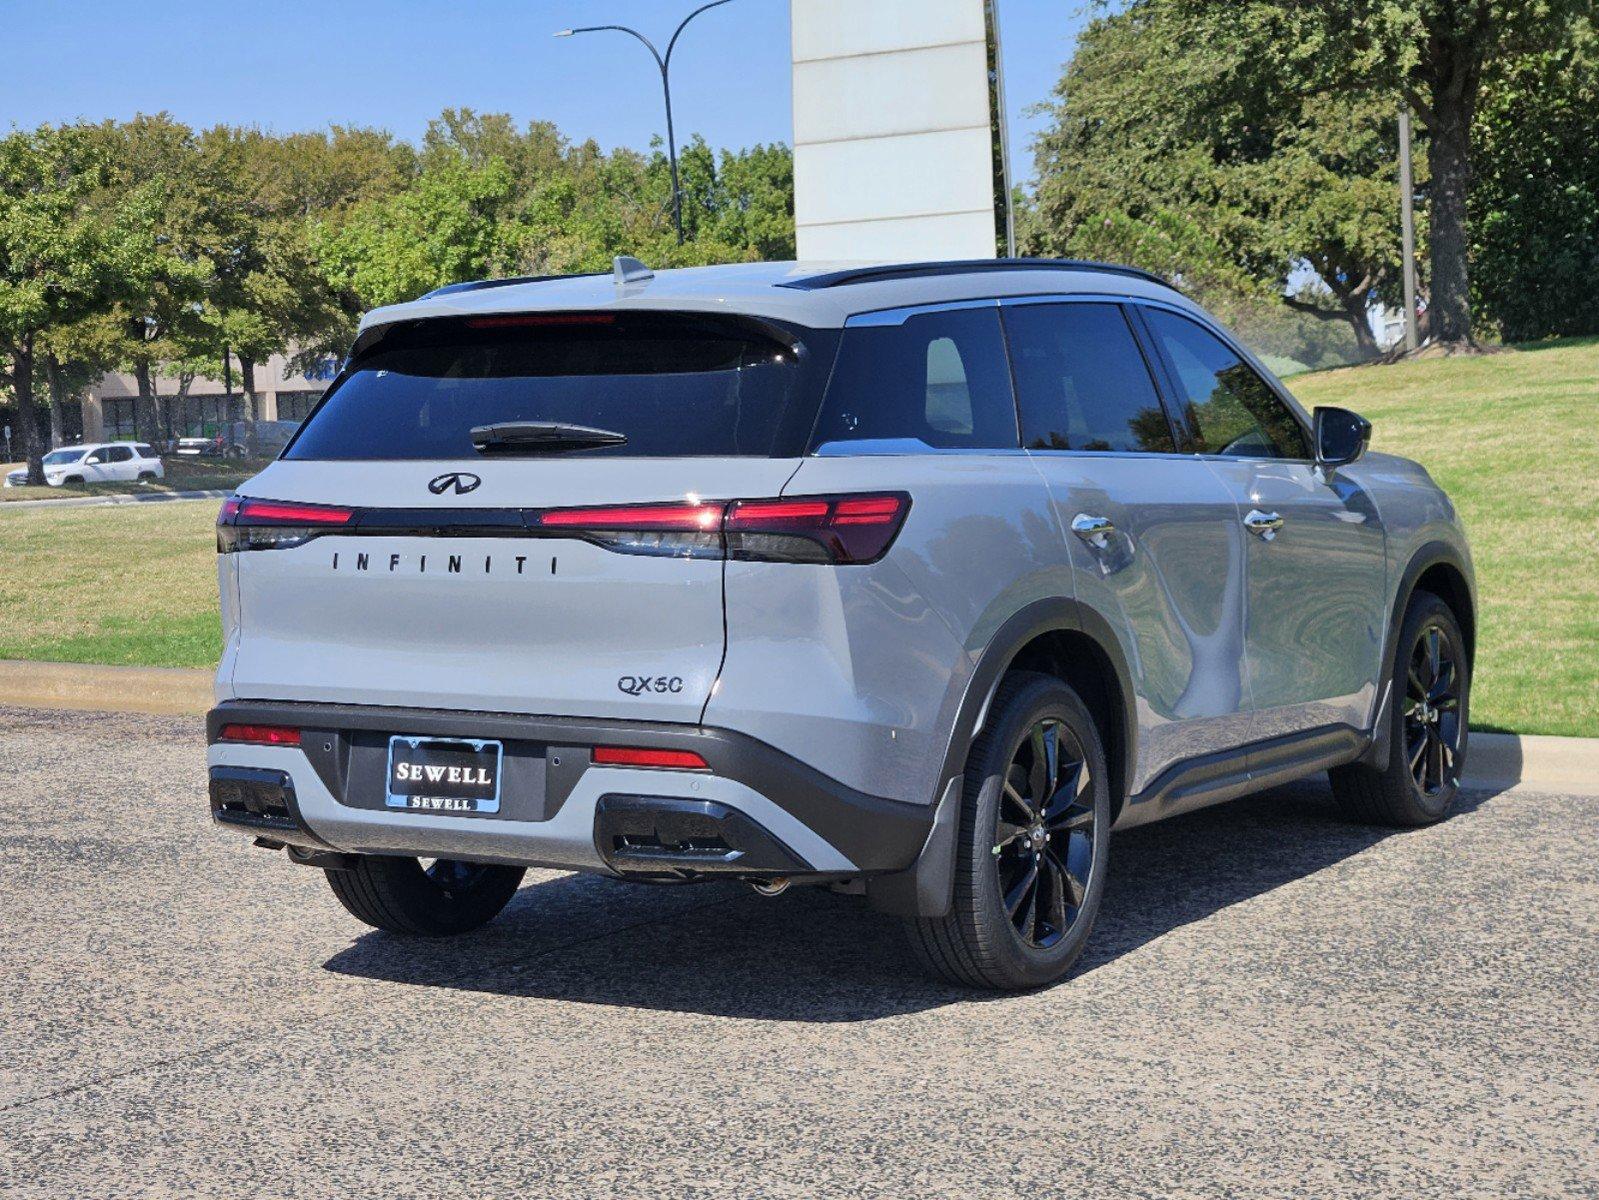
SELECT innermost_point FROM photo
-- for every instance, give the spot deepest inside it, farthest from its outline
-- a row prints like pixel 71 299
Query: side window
pixel 1232 410
pixel 143 451
pixel 940 380
pixel 118 454
pixel 96 457
pixel 1082 382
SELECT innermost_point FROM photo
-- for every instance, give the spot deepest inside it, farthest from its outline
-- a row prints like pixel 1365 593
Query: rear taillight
pixel 245 524
pixel 260 735
pixel 636 756
pixel 670 530
pixel 821 529
pixel 800 529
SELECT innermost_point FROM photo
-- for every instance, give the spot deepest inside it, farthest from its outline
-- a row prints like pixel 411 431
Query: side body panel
pixel 860 670
pixel 1316 598
pixel 1170 582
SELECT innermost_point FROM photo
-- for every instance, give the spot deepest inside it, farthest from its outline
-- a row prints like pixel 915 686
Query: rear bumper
pixel 757 812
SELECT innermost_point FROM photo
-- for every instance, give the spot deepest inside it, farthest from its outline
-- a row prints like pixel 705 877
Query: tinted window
pixel 938 380
pixel 673 384
pixel 145 451
pixel 1230 407
pixel 118 454
pixel 1081 381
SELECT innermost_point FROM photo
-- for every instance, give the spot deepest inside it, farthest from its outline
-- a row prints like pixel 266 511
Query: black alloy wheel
pixel 1031 846
pixel 1431 711
pixel 1044 834
pixel 1428 725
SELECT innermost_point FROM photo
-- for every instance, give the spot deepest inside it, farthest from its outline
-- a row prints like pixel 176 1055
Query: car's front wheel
pixel 1430 697
pixel 1033 840
pixel 402 895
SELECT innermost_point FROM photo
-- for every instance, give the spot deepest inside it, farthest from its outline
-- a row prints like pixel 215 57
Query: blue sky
pixel 297 64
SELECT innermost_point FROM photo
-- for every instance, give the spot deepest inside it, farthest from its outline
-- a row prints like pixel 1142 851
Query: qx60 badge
pixel 459 482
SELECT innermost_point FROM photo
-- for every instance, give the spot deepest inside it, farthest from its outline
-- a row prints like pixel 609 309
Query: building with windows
pixel 197 407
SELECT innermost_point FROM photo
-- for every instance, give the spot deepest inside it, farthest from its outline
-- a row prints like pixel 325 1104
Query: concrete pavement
pixel 1275 1002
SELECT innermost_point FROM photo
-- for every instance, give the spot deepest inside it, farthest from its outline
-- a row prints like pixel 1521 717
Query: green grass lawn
pixel 130 584
pixel 1511 436
pixel 182 475
pixel 1514 439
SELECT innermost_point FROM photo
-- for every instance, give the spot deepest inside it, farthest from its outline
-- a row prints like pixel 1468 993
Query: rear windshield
pixel 672 384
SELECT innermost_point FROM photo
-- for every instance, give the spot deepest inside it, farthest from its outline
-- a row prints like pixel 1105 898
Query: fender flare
pixel 926 888
pixel 1427 556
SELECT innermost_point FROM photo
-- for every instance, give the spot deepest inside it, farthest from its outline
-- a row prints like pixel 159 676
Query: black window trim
pixel 1272 384
pixel 1181 442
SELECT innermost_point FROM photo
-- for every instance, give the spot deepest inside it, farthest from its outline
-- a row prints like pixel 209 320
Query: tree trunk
pixel 1359 318
pixel 1455 78
pixel 144 422
pixel 247 380
pixel 52 375
pixel 27 413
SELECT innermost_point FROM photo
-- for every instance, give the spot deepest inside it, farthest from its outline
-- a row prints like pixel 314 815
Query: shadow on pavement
pixel 720 950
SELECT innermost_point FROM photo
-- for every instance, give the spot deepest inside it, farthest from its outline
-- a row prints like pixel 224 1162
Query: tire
pixel 398 895
pixel 146 476
pixel 1427 739
pixel 73 479
pixel 980 943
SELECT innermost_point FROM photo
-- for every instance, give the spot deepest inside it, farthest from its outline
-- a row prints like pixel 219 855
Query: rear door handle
pixel 1092 529
pixel 1265 524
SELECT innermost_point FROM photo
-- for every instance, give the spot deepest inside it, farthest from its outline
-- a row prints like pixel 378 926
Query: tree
pixel 444 229
pixel 60 253
pixel 177 241
pixel 1175 154
pixel 1535 202
pixel 1432 54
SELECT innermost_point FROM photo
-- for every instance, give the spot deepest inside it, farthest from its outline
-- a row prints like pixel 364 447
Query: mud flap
pixel 927 887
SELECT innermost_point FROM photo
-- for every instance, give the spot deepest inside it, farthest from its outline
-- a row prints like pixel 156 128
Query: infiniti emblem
pixel 459 482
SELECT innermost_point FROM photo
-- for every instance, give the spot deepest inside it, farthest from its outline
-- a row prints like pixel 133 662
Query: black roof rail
pixel 964 266
pixel 478 285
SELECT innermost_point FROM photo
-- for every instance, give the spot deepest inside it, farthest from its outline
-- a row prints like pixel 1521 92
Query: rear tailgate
pixel 439 575
pixel 510 623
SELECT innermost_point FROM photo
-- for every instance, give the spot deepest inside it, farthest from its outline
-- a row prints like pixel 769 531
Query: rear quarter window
pixel 939 380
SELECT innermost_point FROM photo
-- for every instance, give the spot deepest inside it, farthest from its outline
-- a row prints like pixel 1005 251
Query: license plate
pixel 444 775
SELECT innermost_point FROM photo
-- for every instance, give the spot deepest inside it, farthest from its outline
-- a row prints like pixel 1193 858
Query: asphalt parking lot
pixel 1275 1003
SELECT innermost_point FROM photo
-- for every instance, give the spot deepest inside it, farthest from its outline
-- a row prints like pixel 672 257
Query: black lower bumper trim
pixel 666 835
pixel 876 834
pixel 262 801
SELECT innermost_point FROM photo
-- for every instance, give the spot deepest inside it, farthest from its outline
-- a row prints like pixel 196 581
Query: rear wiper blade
pixel 541 437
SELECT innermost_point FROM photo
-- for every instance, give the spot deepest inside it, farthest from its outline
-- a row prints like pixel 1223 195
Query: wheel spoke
pixel 1434 653
pixel 1057 915
pixel 1045 741
pixel 1021 889
pixel 1415 755
pixel 1006 833
pixel 1012 793
pixel 1068 795
pixel 1076 888
pixel 1435 759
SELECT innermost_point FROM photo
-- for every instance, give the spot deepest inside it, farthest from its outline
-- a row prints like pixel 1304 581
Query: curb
pixel 1497 762
pixel 168 691
pixel 116 498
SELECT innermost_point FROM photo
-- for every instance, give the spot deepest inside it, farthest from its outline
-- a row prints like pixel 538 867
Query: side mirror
pixel 1341 436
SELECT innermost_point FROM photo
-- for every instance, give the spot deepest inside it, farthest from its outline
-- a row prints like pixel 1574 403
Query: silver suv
pixel 912 580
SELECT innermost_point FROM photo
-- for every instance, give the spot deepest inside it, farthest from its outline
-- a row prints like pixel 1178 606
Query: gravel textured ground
pixel 1276 1003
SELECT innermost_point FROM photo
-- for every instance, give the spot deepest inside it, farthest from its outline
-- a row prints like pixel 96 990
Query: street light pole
pixel 664 62
pixel 1407 226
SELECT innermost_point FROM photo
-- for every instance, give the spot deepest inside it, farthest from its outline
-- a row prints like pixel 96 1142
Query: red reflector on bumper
pixel 629 756
pixel 260 735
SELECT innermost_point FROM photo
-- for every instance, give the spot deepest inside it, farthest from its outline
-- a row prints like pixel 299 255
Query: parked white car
pixel 98 462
